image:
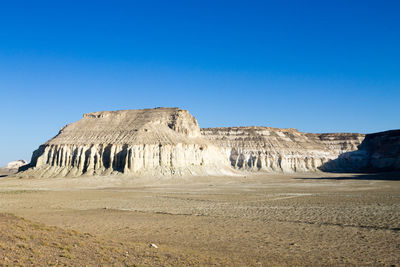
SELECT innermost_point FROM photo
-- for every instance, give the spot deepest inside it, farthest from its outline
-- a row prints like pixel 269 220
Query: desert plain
pixel 311 219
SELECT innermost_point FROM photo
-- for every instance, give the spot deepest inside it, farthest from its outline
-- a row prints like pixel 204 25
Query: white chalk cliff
pixel 280 150
pixel 168 141
pixel 161 141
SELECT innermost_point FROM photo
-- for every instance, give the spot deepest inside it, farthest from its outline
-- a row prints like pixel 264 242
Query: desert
pixel 252 220
pixel 150 188
pixel 199 133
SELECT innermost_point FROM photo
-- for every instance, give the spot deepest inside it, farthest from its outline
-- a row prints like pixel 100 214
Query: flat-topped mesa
pixel 280 150
pixel 147 126
pixel 164 141
pixel 168 141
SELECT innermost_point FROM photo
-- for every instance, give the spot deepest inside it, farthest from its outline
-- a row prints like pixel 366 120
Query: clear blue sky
pixel 319 66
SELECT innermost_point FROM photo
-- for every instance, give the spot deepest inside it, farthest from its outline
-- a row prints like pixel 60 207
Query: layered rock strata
pixel 379 152
pixel 281 150
pixel 162 141
pixel 168 141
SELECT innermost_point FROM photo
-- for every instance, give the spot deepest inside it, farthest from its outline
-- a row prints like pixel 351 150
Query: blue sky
pixel 319 66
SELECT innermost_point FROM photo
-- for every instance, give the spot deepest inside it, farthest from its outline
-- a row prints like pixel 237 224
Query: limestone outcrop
pixel 16 164
pixel 378 152
pixel 168 141
pixel 280 150
pixel 161 141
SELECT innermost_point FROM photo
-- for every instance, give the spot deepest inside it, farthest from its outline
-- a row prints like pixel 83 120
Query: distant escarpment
pixel 162 141
pixel 281 150
pixel 168 141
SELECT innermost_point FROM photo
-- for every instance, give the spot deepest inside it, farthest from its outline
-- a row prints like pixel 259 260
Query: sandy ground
pixel 254 220
pixel 4 172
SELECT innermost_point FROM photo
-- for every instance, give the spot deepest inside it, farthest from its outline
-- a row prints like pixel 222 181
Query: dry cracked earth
pixel 256 220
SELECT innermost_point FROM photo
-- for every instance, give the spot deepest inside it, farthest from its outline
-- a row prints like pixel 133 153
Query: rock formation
pixel 377 153
pixel 12 167
pixel 383 151
pixel 16 164
pixel 168 141
pixel 161 141
pixel 280 150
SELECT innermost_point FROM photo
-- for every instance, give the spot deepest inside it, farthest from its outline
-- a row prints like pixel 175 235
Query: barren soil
pixel 257 220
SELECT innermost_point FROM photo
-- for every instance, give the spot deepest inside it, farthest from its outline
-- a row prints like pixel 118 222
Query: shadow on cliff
pixel 25 167
pixel 385 176
pixel 377 153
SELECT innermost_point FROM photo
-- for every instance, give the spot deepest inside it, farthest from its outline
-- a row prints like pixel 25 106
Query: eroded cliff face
pixel 379 152
pixel 168 141
pixel 280 150
pixel 162 141
pixel 383 151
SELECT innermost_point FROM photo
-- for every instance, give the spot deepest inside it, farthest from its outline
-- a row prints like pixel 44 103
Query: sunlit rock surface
pixel 16 164
pixel 162 141
pixel 168 142
pixel 280 150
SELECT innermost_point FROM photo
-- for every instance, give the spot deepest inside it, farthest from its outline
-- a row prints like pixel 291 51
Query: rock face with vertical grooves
pixel 162 141
pixel 281 150
pixel 168 141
